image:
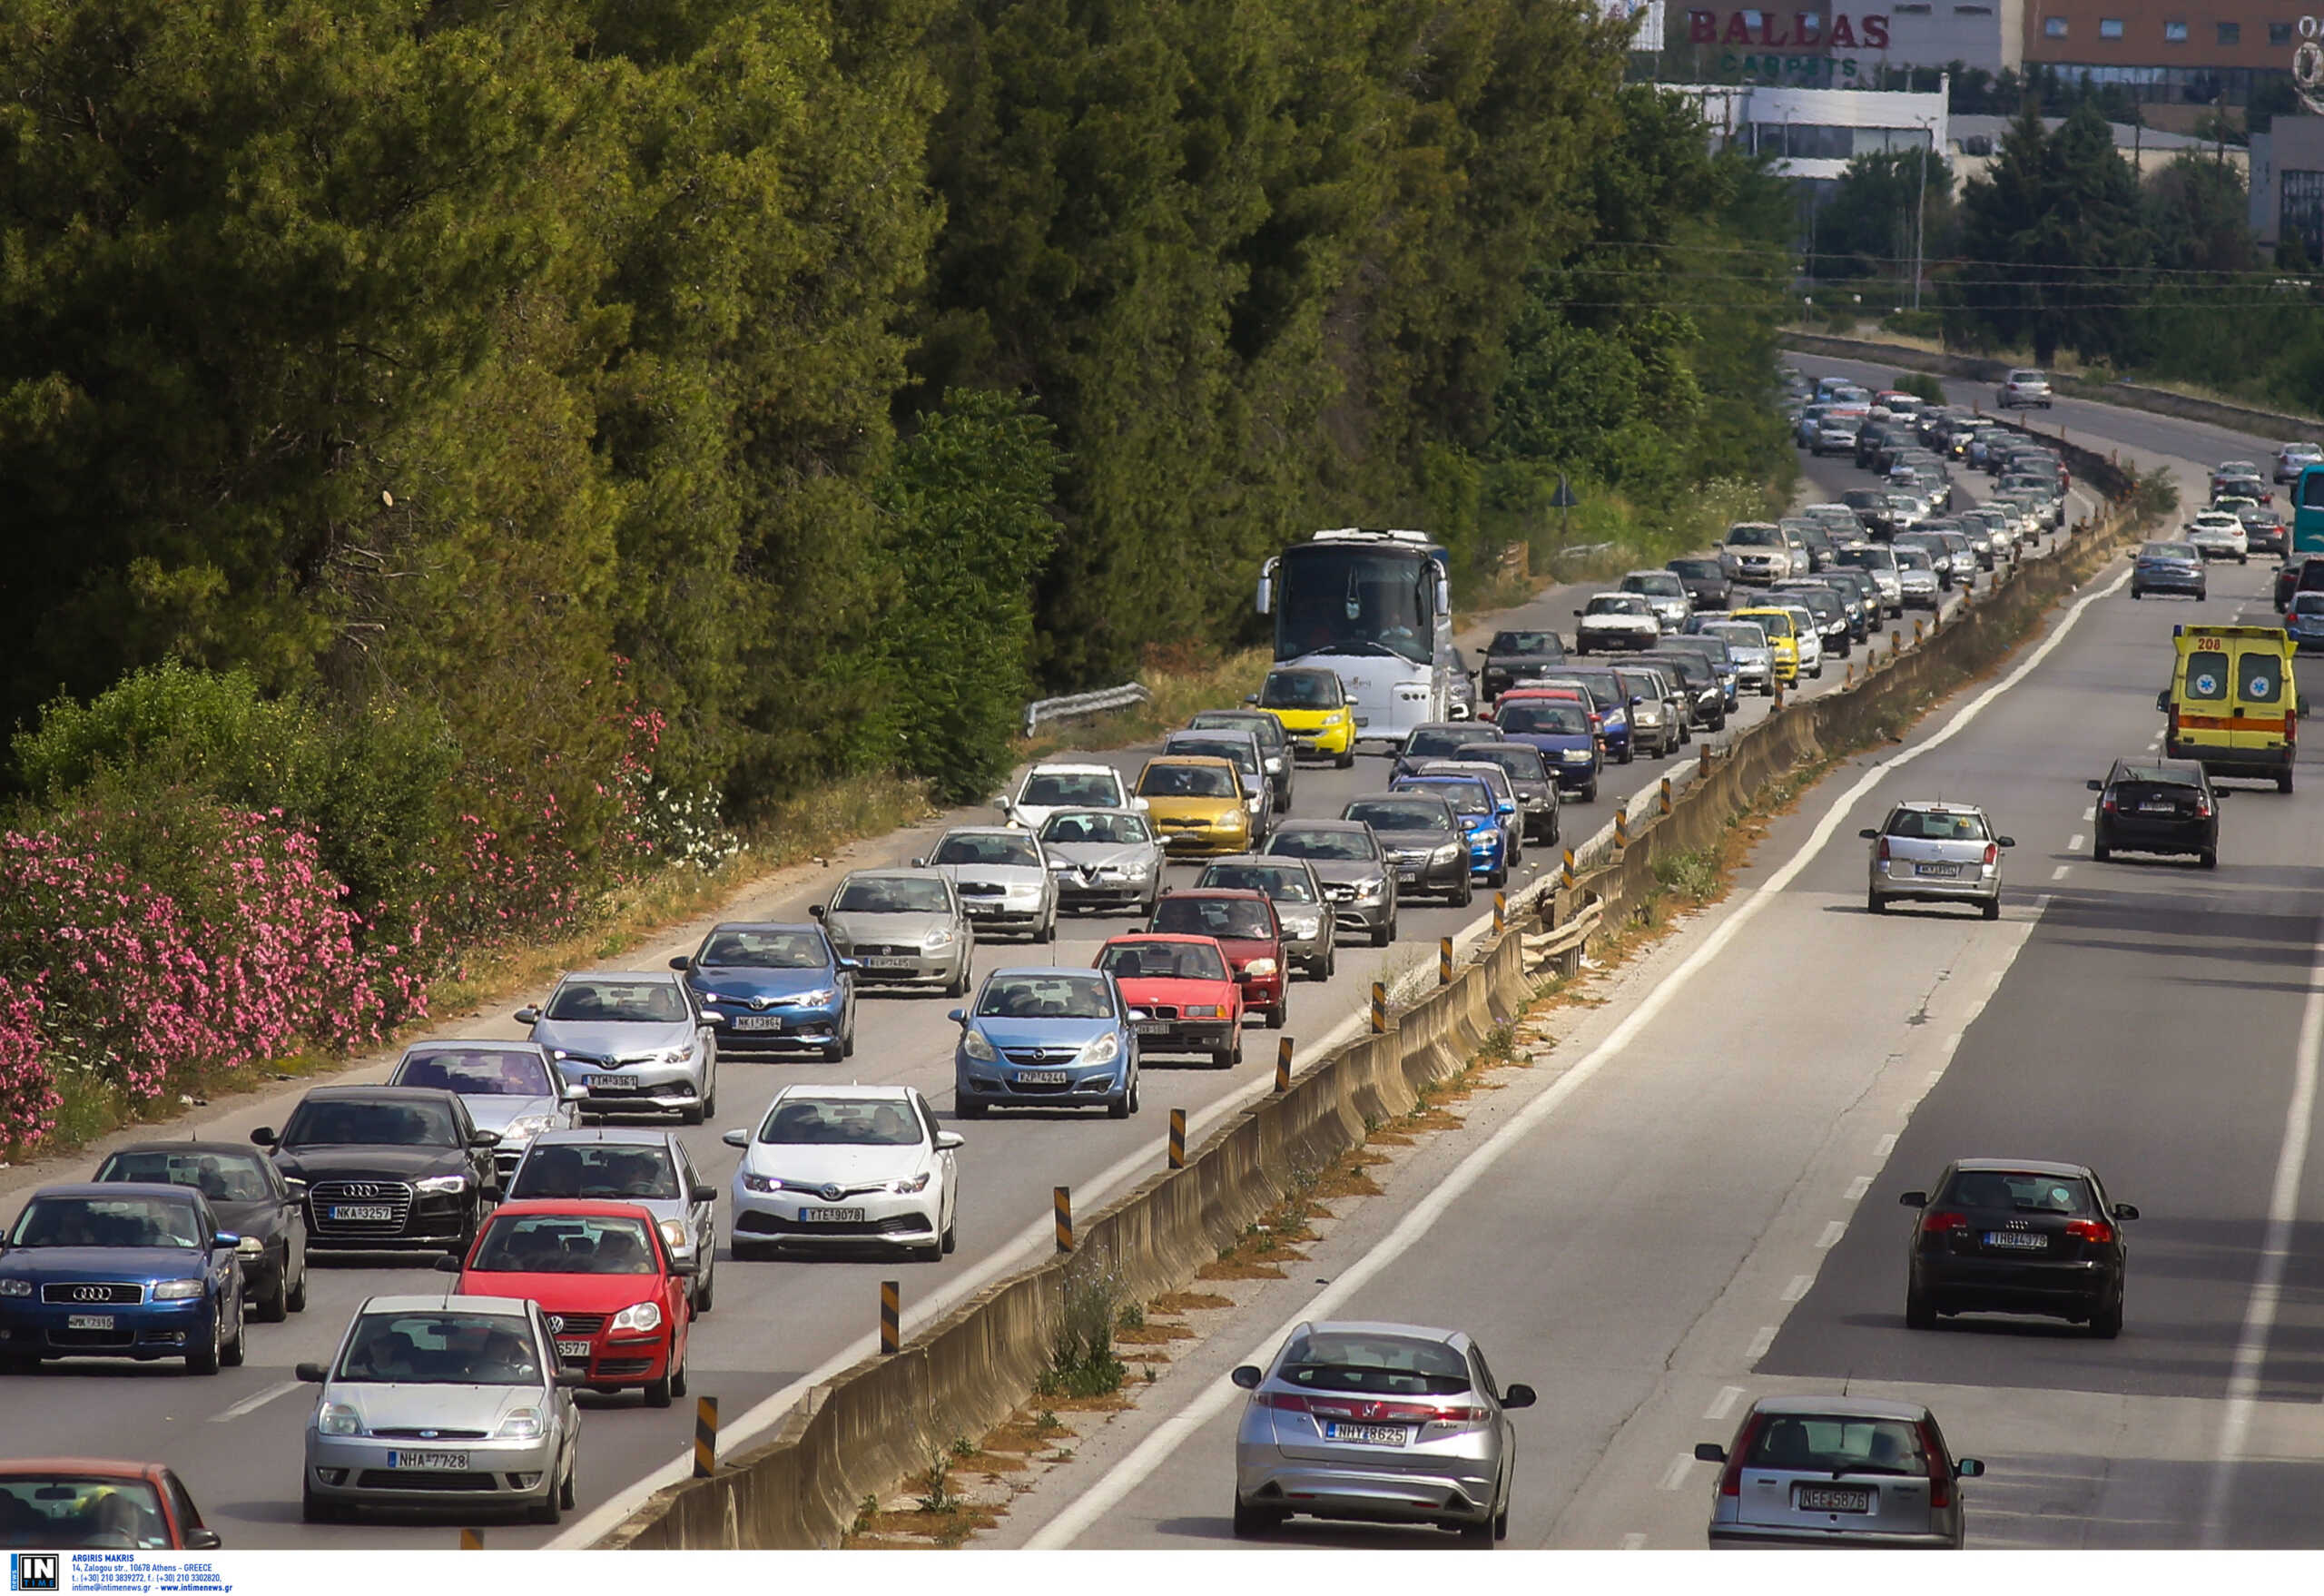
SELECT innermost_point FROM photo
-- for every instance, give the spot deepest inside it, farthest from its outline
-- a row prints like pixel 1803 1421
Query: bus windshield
pixel 1361 600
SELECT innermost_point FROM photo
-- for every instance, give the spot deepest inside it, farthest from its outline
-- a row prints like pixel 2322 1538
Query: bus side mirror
pixel 1266 596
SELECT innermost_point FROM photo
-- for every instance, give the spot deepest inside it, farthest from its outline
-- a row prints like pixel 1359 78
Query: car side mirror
pixel 2006 842
pixel 1250 698
pixel 1869 832
pixel 1577 612
pixel 575 1091
pixel 816 911
pixel 484 1139
pixel 2162 700
pixel 850 964
pixel 2126 1212
pixel 203 1541
pixel 949 1140
pixel 1710 1451
pixel 958 1015
pixel 2095 785
pixel 921 864
pixel 700 1193
pixel 528 1015
pixel 449 1264
pixel 736 1138
pixel 226 1240
pixel 681 962
pixel 681 1268
pixel 309 1373
pixel 1969 1468
pixel 264 1136
pixel 1248 1376
pixel 1518 1396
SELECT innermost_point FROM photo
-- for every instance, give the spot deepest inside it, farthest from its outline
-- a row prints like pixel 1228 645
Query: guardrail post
pixel 1897 643
pixel 1444 961
pixel 891 1317
pixel 1778 704
pixel 705 1409
pixel 1379 1008
pixel 1665 794
pixel 1178 1138
pixel 1063 1197
pixel 1847 678
pixel 1500 913
pixel 471 1540
pixel 1621 829
pixel 1565 871
pixel 1283 1065
pixel 1917 632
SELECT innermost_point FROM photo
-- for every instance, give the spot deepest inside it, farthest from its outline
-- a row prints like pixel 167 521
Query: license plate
pixel 427 1460
pixel 1407 873
pixel 2021 1241
pixel 975 907
pixel 1829 1499
pixel 1939 870
pixel 611 1083
pixel 758 1022
pixel 1041 1078
pixel 887 962
pixel 2158 808
pixel 376 1214
pixel 1145 1027
pixel 572 1349
pixel 88 1321
pixel 1367 1435
pixel 831 1215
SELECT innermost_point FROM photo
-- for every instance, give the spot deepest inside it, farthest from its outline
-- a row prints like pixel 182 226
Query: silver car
pixel 1310 936
pixel 1838 1471
pixel 1104 859
pixel 445 1402
pixel 1002 875
pixel 1755 658
pixel 1359 878
pixel 632 1164
pixel 1917 578
pixel 1360 1420
pixel 1664 593
pixel 510 1088
pixel 1274 742
pixel 633 1040
pixel 1939 852
pixel 904 927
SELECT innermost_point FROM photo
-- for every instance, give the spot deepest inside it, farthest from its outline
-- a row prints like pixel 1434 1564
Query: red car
pixel 94 1503
pixel 1187 991
pixel 615 1300
pixel 1244 926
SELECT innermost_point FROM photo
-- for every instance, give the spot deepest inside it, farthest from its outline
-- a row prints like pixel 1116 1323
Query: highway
pixel 1691 1203
pixel 777 1326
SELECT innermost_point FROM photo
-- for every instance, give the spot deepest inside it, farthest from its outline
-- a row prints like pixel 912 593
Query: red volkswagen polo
pixel 615 1298
pixel 1244 926
pixel 1184 993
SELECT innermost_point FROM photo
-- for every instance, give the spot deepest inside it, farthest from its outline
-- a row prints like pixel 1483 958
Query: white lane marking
pixel 1832 1231
pixel 2059 874
pixel 2041 904
pixel 1953 1045
pixel 2155 741
pixel 2075 843
pixel 2090 814
pixel 1724 1403
pixel 1857 1187
pixel 1801 1285
pixel 1674 1478
pixel 2275 1252
pixel 257 1400
pixel 1174 1433
pixel 1764 1339
pixel 1634 1542
pixel 1884 1146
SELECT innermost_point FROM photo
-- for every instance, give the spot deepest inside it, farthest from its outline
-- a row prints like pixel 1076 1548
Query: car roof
pixel 1052 971
pixel 1841 1407
pixel 854 1091
pixel 898 871
pixel 1159 937
pixel 447 1301
pixel 118 1189
pixel 207 1148
pixel 1937 806
pixel 1238 894
pixel 1440 726
pixel 984 830
pixel 1069 767
pixel 1205 760
pixel 667 977
pixel 1319 823
pixel 607 1208
pixel 742 925
pixel 393 1094
pixel 101 1468
pixel 487 1044
pixel 625 1135
pixel 2022 1167
pixel 1253 861
pixel 1384 1327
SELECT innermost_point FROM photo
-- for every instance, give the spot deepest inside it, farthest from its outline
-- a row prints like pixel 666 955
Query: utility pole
pixel 1920 214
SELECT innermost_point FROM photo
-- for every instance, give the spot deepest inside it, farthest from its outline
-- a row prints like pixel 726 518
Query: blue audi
pixel 771 988
pixel 1481 817
pixel 1046 1037
pixel 119 1269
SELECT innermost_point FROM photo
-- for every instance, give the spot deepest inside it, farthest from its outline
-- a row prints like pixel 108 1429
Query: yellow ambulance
pixel 2232 702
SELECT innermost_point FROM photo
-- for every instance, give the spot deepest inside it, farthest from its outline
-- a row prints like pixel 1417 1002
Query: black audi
pixel 385 1166
pixel 2156 807
pixel 2006 1237
pixel 251 1199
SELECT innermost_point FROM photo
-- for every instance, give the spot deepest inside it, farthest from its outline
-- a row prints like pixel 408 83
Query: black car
pixel 2004 1236
pixel 1424 839
pixel 251 1199
pixel 1872 508
pixel 1275 744
pixel 1512 657
pixel 2156 807
pixel 1698 684
pixel 385 1166
pixel 1431 740
pixel 1530 777
pixel 1705 582
pixel 2300 572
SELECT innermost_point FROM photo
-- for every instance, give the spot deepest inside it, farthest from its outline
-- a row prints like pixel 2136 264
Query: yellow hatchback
pixel 1312 703
pixel 1783 639
pixel 1196 804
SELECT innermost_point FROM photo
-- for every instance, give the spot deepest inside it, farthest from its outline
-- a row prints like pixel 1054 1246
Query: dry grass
pixel 1151 1334
pixel 1187 1302
pixel 1182 680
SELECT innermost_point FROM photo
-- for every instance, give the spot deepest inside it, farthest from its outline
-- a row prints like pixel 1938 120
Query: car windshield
pixel 1374 1364
pixel 1804 1444
pixel 635 1003
pixel 1083 789
pixel 1466 797
pixel 441 1346
pixel 1656 582
pixel 763 949
pixel 1185 780
pixel 1294 843
pixel 2020 1192
pixel 2308 604
pixel 1538 717
pixel 1081 826
pixel 1435 743
pixel 1738 633
pixel 1618 604
pixel 1281 882
pixel 891 894
pixel 1915 559
pixel 222 1177
pixel 600 1171
pixel 1931 826
pixel 1697 570
pixel 1390 814
pixel 65 1513
pixel 1774 626
pixel 1300 690
pixel 1228 918
pixel 1750 536
pixel 843 1122
pixel 1641 685
pixel 1264 727
pixel 565 1244
pixel 1240 754
pixel 128 1221
pixel 481 1072
pixel 1517 761
pixel 1016 848
pixel 1161 960
pixel 1062 995
pixel 369 1123
pixel 1527 645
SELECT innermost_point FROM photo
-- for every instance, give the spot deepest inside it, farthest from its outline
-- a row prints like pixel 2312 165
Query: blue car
pixel 1480 817
pixel 1046 1037
pixel 770 988
pixel 2305 621
pixel 121 1269
pixel 1559 728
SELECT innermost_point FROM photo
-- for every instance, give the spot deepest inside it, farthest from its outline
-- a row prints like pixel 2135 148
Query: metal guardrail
pixel 1580 550
pixel 1076 705
pixel 1563 947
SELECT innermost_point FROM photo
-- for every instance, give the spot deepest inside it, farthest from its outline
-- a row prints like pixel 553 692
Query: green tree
pixel 1867 228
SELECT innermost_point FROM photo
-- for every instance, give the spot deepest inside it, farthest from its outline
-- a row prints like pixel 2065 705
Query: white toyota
pixel 846 1166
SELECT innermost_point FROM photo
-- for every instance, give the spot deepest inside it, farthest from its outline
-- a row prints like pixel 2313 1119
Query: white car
pixel 2219 535
pixel 1003 876
pixel 1759 552
pixel 2295 457
pixel 846 1167
pixel 1664 593
pixel 1047 788
pixel 2025 386
pixel 1616 620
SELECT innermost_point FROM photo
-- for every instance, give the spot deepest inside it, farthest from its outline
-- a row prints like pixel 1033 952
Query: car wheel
pixel 1119 1107
pixel 275 1305
pixel 1332 956
pixel 1874 903
pixel 659 1391
pixel 678 1380
pixel 2209 858
pixel 2242 559
pixel 314 1509
pixel 295 1299
pixel 2107 1324
pixel 205 1361
pixel 710 1095
pixel 1383 933
pixel 707 1296
pixel 966 1108
pixel 1476 1533
pixel 1279 1016
pixel 692 1114
pixel 566 1493
pixel 1346 761
pixel 1047 933
pixel 1463 893
pixel 1628 752
pixel 231 1355
pixel 550 1507
pixel 847 1036
pixel 832 1052
pixel 1992 909
pixel 1251 1522
pixel 1920 1313
pixel 2284 780
pixel 1590 793
pixel 951 1235
pixel 2101 853
pixel 1498 879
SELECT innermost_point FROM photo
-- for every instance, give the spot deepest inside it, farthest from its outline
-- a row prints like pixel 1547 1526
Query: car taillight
pixel 1940 1468
pixel 1881 854
pixel 1730 1479
pixel 2203 807
pixel 1992 854
pixel 2091 1230
pixel 1288 1402
pixel 2107 804
pixel 1939 1220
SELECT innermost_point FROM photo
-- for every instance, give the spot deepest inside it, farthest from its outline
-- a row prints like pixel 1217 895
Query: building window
pixel 2110 27
pixel 2174 33
pixel 2230 33
pixel 2279 34
pixel 1973 11
pixel 1911 8
pixel 2053 27
pixel 2302 213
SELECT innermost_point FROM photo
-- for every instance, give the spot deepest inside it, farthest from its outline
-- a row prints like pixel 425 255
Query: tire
pixel 275 1305
pixel 678 1380
pixel 206 1361
pixel 1920 1313
pixel 1477 1533
pixel 550 1507
pixel 1590 793
pixel 659 1391
pixel 1992 909
pixel 295 1299
pixel 710 1102
pixel 1119 1108
pixel 751 1252
pixel 1132 1092
pixel 2107 1324
pixel 1345 761
pixel 951 1237
pixel 693 1114
pixel 1279 1016
pixel 1048 932
pixel 958 985
pixel 707 1298
pixel 1464 893
pixel 967 1110
pixel 847 1035
pixel 1628 752
pixel 2101 853
pixel 231 1355
pixel 1383 933
pixel 1251 1522
pixel 566 1493
pixel 314 1509
pixel 1501 1523
pixel 1874 903
pixel 832 1052
pixel 2284 780
pixel 1498 879
pixel 2210 859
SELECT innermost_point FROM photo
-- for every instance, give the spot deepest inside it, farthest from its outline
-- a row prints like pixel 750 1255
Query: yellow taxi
pixel 1196 804
pixel 2232 702
pixel 1312 703
pixel 1783 638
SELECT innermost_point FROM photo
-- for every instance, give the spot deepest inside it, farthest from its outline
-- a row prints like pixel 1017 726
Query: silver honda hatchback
pixel 1398 1423
pixel 1838 1471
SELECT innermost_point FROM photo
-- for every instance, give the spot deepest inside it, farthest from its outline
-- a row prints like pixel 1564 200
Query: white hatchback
pixel 839 1167
pixel 2219 535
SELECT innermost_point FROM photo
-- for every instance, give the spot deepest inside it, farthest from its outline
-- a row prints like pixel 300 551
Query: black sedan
pixel 1705 581
pixel 2169 568
pixel 2017 1237
pixel 385 1166
pixel 1513 656
pixel 251 1199
pixel 2156 807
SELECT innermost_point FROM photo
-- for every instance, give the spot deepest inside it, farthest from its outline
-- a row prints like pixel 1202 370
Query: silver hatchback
pixel 1940 852
pixel 1398 1423
pixel 1838 1471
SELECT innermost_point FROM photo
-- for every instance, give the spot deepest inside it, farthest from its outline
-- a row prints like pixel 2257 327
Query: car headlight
pixel 526 1127
pixel 1445 854
pixel 1372 888
pixel 674 1236
pixel 1200 1011
pixel 1305 926
pixel 336 1418
pixel 638 1315
pixel 671 1056
pixel 1259 967
pixel 15 1288
pixel 441 1185
pixel 1105 1050
pixel 1139 871
pixel 250 1246
pixel 522 1423
pixel 975 1045
pixel 176 1290
pixel 760 1183
pixel 938 939
pixel 816 998
pixel 716 998
pixel 918 1183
